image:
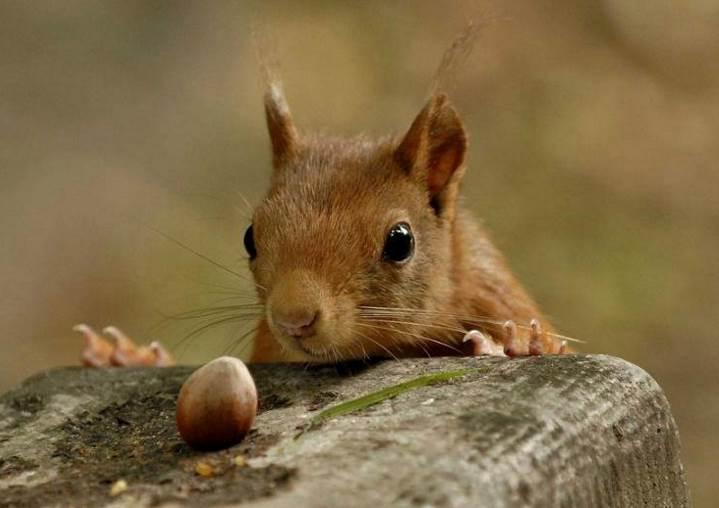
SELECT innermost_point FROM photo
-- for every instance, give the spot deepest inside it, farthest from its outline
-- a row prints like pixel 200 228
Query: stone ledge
pixel 543 431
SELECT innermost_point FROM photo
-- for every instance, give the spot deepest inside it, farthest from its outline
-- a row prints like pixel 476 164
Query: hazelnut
pixel 217 404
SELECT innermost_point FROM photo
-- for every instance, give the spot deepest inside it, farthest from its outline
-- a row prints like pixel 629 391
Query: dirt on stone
pixel 136 440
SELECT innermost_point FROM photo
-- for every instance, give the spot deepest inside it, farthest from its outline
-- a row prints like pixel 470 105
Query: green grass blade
pixel 373 398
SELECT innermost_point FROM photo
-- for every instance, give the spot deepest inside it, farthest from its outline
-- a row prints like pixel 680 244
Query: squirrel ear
pixel 433 149
pixel 283 134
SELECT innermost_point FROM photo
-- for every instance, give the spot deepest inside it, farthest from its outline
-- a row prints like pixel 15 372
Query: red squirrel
pixel 361 248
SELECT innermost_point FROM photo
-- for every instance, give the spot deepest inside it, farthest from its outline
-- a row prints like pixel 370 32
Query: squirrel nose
pixel 299 324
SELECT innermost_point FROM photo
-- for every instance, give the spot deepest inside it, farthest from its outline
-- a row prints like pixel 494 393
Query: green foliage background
pixel 594 140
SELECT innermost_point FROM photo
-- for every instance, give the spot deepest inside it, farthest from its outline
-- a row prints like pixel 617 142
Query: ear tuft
pixel 283 135
pixel 434 148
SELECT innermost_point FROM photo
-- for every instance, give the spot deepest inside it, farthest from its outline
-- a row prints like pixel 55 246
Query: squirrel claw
pixel 513 346
pixel 162 357
pixel 99 352
pixel 536 346
pixel 482 345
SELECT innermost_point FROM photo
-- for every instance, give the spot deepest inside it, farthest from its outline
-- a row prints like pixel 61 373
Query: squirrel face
pixel 352 225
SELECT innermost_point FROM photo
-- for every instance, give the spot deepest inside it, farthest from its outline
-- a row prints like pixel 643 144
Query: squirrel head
pixel 353 225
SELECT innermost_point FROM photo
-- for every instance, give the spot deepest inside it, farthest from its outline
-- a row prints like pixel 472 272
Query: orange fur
pixel 320 232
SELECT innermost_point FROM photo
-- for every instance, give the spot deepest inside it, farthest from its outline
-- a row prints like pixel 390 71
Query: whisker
pixel 375 342
pixel 206 316
pixel 227 296
pixel 389 311
pixel 248 207
pixel 234 290
pixel 212 311
pixel 351 349
pixel 248 342
pixel 478 320
pixel 441 327
pixel 202 256
pixel 361 351
pixel 365 355
pixel 201 329
pixel 421 337
pixel 237 342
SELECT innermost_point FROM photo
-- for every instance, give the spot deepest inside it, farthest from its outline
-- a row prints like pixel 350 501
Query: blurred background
pixel 594 132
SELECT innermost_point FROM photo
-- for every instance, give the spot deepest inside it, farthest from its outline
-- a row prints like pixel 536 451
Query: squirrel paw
pixel 512 345
pixel 123 352
pixel 538 343
pixel 482 345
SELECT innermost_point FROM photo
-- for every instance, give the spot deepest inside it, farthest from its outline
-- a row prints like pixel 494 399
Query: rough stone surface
pixel 551 431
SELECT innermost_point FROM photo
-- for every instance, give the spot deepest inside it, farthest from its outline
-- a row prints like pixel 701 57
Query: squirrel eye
pixel 399 245
pixel 250 243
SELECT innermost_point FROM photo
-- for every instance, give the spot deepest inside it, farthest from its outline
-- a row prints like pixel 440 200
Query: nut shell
pixel 217 404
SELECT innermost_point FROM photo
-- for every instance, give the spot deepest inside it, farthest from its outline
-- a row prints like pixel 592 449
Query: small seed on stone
pixel 204 469
pixel 118 488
